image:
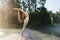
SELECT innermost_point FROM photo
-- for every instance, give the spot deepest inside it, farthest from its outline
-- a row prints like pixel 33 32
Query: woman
pixel 26 18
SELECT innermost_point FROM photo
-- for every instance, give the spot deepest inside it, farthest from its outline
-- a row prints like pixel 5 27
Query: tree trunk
pixel 8 17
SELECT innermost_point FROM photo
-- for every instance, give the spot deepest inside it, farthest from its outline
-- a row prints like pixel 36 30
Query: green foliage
pixel 44 16
pixel 58 17
pixel 39 18
pixel 43 2
pixel 33 1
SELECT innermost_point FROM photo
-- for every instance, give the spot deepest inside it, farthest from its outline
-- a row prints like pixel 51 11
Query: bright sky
pixel 53 5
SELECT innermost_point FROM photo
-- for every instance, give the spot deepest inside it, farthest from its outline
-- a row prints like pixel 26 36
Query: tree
pixel 31 5
pixel 8 16
pixel 42 2
pixel 44 16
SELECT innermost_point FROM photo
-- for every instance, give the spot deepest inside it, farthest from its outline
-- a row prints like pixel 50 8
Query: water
pixel 55 29
pixel 51 30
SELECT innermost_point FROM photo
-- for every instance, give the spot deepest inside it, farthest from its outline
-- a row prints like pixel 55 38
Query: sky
pixel 53 5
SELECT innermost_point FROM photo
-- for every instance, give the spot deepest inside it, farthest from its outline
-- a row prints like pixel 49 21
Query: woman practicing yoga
pixel 26 18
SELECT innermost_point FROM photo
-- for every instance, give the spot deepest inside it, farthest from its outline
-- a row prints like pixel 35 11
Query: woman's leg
pixel 25 24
